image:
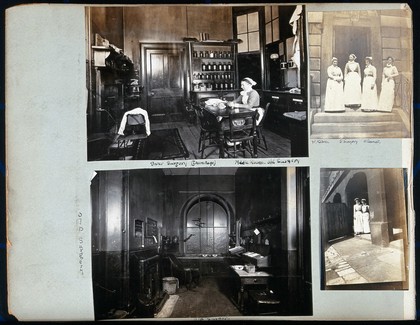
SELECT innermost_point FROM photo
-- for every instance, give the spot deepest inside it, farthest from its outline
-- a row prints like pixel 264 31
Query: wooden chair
pixel 208 127
pixel 241 136
pixel 186 275
pixel 190 112
pixel 208 131
pixel 135 130
pixel 260 134
pixel 263 302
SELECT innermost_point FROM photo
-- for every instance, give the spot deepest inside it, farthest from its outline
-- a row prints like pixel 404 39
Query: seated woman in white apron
pixel 248 98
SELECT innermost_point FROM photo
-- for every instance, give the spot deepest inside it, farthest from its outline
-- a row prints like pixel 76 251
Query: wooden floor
pixel 278 146
pixel 206 300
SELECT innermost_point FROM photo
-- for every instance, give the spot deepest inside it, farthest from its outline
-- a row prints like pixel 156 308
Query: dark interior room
pixel 178 69
pixel 212 242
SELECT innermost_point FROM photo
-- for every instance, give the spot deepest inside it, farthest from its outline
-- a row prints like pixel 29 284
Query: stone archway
pixel 356 188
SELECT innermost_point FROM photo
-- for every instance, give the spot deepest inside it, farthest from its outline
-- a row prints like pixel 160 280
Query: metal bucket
pixel 170 284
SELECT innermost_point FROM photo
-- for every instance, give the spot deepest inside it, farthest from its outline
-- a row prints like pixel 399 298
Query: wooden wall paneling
pixel 172 24
pixel 217 21
pixel 156 193
pixel 112 191
pixel 98 22
pixel 152 24
pixel 137 207
pixel 146 200
pixel 108 22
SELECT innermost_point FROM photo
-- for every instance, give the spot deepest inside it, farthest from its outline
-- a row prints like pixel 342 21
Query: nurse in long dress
pixel 334 92
pixel 365 217
pixel 386 98
pixel 357 217
pixel 352 81
pixel 369 90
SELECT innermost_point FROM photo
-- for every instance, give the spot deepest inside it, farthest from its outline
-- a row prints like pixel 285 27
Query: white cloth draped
pixel 135 111
pixel 294 23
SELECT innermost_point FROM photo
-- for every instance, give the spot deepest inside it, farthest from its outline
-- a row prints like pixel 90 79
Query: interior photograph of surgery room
pixel 201 242
pixel 196 82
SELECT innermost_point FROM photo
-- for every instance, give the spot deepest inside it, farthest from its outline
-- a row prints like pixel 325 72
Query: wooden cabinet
pixel 208 266
pixel 282 102
pixel 293 128
pixel 212 69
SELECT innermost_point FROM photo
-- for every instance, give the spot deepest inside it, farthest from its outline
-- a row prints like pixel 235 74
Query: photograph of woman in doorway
pixel 352 80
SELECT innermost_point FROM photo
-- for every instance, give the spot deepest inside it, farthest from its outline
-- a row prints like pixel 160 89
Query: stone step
pixel 348 117
pixel 358 127
pixel 358 135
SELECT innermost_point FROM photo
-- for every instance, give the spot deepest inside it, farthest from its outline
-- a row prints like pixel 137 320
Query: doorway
pixel 163 65
pixel 206 226
pixel 351 40
pixel 356 188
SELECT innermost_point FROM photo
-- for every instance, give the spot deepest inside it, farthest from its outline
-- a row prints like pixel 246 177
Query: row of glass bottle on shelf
pixel 213 76
pixel 212 54
pixel 216 66
pixel 208 86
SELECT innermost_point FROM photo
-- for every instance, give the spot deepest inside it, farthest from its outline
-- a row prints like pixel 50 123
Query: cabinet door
pixel 275 120
pixel 296 104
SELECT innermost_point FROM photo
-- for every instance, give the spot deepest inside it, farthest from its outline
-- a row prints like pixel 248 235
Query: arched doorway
pixel 206 225
pixel 356 188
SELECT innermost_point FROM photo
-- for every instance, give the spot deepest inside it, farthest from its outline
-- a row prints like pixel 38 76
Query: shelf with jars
pixel 212 67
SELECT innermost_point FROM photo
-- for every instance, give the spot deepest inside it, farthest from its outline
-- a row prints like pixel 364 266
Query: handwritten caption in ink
pixel 80 241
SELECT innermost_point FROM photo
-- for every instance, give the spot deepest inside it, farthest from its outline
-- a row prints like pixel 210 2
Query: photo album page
pixel 210 162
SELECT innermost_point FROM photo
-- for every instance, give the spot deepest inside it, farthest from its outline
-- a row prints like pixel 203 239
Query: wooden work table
pixel 243 281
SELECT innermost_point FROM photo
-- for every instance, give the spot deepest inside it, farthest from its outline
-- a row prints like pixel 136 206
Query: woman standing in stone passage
pixel 357 217
pixel 369 90
pixel 365 217
pixel 352 81
pixel 386 98
pixel 334 92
